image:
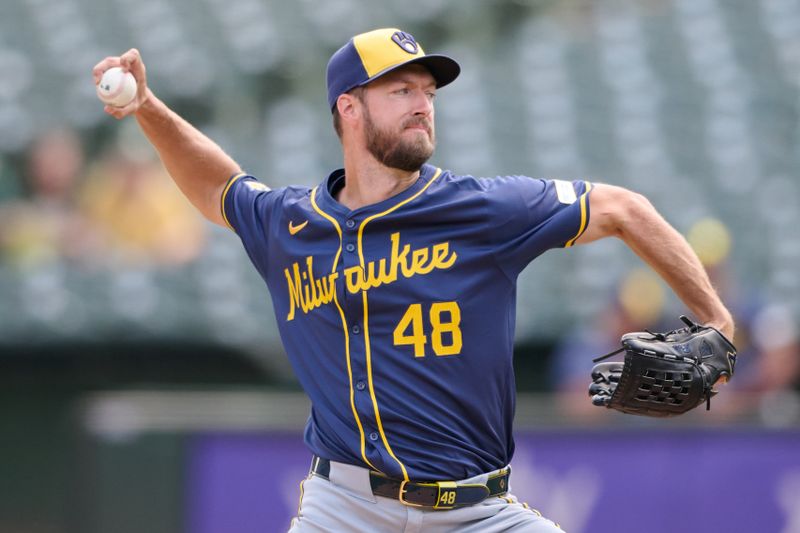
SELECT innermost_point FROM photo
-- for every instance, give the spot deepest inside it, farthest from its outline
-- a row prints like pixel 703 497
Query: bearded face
pixel 405 147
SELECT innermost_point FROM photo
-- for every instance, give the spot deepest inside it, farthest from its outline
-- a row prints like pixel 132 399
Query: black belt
pixel 434 495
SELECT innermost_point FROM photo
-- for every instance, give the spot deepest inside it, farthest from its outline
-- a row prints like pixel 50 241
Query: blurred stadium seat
pixel 693 102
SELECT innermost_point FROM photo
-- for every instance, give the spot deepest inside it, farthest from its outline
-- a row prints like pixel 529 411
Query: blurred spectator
pixel 45 225
pixel 9 183
pixel 144 217
pixel 637 304
pixel 768 369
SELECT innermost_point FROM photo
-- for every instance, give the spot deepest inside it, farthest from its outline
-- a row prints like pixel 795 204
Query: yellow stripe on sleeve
pixel 231 181
pixel 584 215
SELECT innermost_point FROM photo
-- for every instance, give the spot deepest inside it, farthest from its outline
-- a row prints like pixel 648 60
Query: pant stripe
pixel 300 502
pixel 529 508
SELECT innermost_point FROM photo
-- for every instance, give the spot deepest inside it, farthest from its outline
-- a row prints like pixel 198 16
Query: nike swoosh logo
pixel 294 229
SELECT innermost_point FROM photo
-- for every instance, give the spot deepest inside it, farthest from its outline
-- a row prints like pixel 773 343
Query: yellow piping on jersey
pixel 366 318
pixel 582 227
pixel 224 194
pixel 372 389
pixel 335 225
pixel 344 329
pixel 394 207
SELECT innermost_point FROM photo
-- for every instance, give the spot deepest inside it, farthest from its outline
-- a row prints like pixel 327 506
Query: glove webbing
pixel 692 328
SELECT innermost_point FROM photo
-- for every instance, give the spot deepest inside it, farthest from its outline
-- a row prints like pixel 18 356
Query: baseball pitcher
pixel 394 287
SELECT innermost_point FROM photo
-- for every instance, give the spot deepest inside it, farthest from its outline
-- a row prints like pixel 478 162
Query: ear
pixel 349 107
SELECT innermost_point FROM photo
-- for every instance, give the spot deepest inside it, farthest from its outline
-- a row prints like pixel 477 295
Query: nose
pixel 423 104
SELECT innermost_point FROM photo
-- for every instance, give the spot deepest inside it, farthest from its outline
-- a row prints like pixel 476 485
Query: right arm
pixel 198 165
pixel 618 212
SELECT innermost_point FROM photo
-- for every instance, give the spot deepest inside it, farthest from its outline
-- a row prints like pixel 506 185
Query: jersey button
pixel 373 436
pixel 356 330
pixel 350 247
pixel 350 223
pixel 360 385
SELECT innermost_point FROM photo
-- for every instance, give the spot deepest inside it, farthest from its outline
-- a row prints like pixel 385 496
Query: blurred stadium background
pixel 138 346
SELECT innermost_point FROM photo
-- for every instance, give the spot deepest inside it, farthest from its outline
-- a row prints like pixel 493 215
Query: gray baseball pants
pixel 345 503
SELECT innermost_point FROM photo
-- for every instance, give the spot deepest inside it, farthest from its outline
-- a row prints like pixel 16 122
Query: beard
pixel 395 151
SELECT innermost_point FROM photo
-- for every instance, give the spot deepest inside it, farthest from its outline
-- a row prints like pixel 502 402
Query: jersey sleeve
pixel 247 205
pixel 531 216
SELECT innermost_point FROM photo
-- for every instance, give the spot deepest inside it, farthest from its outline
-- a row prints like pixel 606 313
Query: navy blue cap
pixel 370 55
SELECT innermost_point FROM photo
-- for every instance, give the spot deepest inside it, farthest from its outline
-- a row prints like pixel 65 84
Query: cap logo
pixel 405 41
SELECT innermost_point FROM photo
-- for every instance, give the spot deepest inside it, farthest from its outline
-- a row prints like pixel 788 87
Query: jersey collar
pixel 335 181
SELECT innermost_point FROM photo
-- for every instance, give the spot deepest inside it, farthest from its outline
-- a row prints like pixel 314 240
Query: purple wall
pixel 620 481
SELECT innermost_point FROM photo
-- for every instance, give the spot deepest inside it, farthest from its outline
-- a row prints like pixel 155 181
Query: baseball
pixel 116 88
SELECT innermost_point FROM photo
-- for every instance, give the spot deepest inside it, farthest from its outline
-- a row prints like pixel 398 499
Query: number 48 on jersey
pixel 444 320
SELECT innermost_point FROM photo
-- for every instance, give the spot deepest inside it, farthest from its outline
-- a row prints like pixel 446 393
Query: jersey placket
pixel 352 304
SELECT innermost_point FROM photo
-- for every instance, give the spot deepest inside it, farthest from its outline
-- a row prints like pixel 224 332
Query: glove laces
pixel 692 327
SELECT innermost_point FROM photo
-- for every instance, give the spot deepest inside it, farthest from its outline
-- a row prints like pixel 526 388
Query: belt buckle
pixel 403 491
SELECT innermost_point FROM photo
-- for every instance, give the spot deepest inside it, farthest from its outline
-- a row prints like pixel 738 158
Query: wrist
pixel 724 325
pixel 147 104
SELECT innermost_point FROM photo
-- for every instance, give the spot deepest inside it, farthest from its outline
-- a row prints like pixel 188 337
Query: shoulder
pixel 248 185
pixel 490 187
pixel 517 188
pixel 496 199
pixel 295 193
pixel 511 193
pixel 246 201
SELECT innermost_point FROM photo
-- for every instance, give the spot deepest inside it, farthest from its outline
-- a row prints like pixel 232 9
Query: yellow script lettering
pixel 307 292
pixel 382 272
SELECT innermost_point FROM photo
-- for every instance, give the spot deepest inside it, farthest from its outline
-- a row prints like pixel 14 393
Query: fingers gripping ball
pixel 664 374
pixel 116 88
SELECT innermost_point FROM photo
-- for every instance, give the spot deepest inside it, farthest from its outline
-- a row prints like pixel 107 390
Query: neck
pixel 367 182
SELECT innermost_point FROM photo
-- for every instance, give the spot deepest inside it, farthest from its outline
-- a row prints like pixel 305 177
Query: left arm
pixel 618 212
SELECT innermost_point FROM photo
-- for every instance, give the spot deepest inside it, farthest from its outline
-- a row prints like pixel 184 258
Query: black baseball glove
pixel 664 374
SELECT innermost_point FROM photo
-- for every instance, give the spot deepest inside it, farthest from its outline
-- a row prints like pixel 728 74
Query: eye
pixel 431 95
pixel 403 91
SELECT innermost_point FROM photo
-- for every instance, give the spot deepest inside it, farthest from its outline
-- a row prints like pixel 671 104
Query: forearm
pixel 199 166
pixel 667 252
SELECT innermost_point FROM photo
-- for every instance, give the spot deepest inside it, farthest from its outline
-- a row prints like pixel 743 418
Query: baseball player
pixel 394 284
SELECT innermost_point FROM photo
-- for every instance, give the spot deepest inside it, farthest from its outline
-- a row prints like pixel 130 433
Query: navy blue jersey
pixel 398 317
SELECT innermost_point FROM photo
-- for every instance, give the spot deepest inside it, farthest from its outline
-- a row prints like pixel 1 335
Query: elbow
pixel 621 209
pixel 634 208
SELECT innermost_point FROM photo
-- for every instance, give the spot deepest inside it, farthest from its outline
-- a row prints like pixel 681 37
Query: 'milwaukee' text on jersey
pixel 398 317
pixel 308 292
